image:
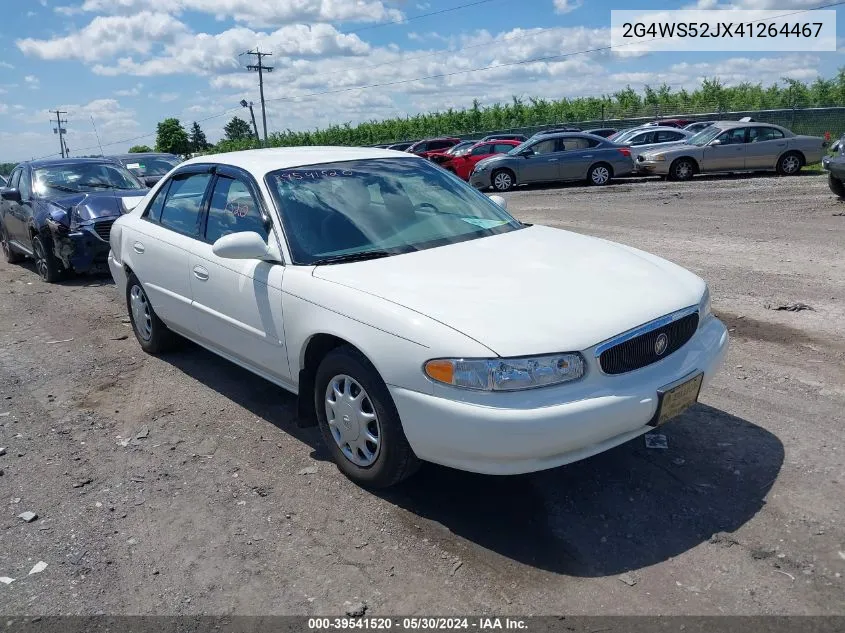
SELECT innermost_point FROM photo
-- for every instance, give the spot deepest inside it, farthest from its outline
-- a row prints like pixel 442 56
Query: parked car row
pixel 331 272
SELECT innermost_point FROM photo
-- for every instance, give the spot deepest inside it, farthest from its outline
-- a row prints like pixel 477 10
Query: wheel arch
pixel 801 156
pixel 695 163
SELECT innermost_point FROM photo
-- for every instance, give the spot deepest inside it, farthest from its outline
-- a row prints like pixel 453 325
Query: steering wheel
pixel 336 226
pixel 428 205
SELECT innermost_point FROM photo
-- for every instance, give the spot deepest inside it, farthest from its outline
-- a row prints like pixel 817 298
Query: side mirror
pixel 715 143
pixel 500 201
pixel 242 245
pixel 12 195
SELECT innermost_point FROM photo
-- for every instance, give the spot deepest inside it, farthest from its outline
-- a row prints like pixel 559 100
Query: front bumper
pixel 528 431
pixel 118 273
pixel 81 250
pixel 481 179
pixel 654 167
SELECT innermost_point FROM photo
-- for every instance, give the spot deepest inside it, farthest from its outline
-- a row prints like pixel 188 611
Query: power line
pixel 417 17
pixel 510 64
pixel 261 70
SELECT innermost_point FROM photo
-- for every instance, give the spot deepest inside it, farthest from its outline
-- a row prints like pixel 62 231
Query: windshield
pixel 705 136
pixel 79 177
pixel 460 146
pixel 150 166
pixel 382 206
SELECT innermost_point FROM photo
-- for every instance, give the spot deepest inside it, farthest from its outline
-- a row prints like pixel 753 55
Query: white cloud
pixel 202 53
pixel 130 92
pixel 6 65
pixel 3 108
pixel 165 97
pixel 567 6
pixel 32 82
pixel 107 36
pixel 761 4
pixel 263 13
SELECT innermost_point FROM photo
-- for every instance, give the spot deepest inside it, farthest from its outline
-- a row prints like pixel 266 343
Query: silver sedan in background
pixel 554 157
pixel 645 139
pixel 735 146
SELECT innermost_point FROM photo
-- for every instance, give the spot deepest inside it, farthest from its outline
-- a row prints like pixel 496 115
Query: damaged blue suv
pixel 59 213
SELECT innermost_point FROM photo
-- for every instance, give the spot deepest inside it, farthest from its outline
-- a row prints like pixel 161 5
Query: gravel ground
pixel 181 485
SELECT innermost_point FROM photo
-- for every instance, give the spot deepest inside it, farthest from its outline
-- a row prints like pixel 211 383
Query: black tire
pixel 155 338
pixel 682 169
pixel 836 185
pixel 393 458
pixel 599 175
pixel 502 180
pixel 47 265
pixel 790 164
pixel 9 253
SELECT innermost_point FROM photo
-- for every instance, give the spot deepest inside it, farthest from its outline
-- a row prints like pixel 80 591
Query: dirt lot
pixel 176 485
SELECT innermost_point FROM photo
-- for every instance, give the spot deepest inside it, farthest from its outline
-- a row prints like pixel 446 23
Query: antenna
pixel 97 135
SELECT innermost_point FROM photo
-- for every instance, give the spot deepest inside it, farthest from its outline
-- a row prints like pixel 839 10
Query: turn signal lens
pixel 506 374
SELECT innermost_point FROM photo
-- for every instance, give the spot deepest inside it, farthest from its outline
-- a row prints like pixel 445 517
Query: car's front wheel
pixel 152 334
pixel 503 180
pixel 682 169
pixel 359 421
pixel 46 264
pixel 836 185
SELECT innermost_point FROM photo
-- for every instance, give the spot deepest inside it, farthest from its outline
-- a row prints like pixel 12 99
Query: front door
pixel 728 154
pixel 238 303
pixel 541 165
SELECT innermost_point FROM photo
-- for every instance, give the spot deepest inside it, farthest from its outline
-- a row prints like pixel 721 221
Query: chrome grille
pixel 103 229
pixel 639 350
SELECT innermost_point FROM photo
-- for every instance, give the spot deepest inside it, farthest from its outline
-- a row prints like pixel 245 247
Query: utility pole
pixel 261 68
pixel 247 104
pixel 59 129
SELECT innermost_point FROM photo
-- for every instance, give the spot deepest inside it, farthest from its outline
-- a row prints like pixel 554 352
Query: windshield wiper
pixel 97 185
pixel 351 257
pixel 63 188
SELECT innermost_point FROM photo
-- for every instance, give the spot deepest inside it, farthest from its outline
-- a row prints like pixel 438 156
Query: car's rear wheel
pixel 503 180
pixel 152 334
pixel 46 264
pixel 599 175
pixel 790 164
pixel 359 421
pixel 9 253
pixel 682 169
pixel 836 185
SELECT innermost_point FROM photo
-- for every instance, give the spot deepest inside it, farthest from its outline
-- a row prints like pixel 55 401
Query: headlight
pixel 506 374
pixel 656 157
pixel 704 310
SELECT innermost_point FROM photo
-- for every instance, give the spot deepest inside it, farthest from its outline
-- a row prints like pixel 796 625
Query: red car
pixel 463 163
pixel 432 145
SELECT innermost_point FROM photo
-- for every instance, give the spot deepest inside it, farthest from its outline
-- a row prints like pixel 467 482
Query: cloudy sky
pixel 130 63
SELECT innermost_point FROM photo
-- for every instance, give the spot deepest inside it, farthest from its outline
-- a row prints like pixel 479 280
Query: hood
pixel 100 204
pixel 531 291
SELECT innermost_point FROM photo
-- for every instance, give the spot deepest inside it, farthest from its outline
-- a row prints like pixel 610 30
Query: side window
pixel 440 145
pixel 733 137
pixel 422 147
pixel 481 150
pixel 576 142
pixel 14 179
pixel 545 147
pixel 665 136
pixel 183 203
pixel 502 148
pixel 643 139
pixel 232 210
pixel 153 212
pixel 760 134
pixel 24 185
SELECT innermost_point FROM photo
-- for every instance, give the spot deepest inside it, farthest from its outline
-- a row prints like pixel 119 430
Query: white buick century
pixel 416 319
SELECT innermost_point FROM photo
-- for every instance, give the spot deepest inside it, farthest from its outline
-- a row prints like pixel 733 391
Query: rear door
pixel 728 154
pixel 764 146
pixel 238 303
pixel 12 211
pixel 162 245
pixel 577 156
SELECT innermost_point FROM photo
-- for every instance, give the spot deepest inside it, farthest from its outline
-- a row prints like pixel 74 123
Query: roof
pixel 654 128
pixel 52 162
pixel 726 125
pixel 261 161
pixel 140 155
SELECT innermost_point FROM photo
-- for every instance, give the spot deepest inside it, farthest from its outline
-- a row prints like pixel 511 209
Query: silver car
pixel 554 157
pixel 642 140
pixel 735 146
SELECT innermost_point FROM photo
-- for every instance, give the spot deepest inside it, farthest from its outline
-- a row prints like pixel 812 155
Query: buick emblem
pixel 661 344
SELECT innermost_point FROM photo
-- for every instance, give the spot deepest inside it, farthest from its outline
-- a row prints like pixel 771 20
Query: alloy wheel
pixel 141 314
pixel 4 241
pixel 352 420
pixel 600 175
pixel 40 256
pixel 502 181
pixel 791 164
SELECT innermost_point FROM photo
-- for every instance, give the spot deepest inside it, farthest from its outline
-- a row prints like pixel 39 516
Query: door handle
pixel 588 155
pixel 200 273
pixel 138 247
pixel 553 160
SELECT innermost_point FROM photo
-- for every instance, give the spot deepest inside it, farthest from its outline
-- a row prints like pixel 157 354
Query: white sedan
pixel 414 317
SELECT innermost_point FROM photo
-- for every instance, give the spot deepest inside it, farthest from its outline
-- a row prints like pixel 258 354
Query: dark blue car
pixel 60 212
